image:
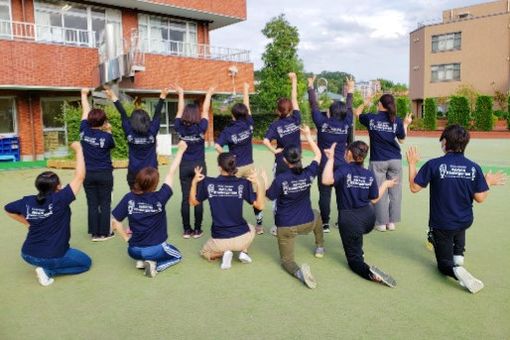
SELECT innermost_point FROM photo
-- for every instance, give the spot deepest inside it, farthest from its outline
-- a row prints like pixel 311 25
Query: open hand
pixel 177 88
pixel 408 119
pixel 412 155
pixel 350 84
pixel 292 76
pixel 311 81
pixel 499 178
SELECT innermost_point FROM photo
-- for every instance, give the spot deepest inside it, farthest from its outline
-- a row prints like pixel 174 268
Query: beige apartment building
pixel 470 45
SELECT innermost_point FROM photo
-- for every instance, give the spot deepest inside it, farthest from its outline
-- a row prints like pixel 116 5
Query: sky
pixel 368 38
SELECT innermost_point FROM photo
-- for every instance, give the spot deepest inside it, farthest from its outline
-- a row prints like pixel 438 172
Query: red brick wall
pixel 26 136
pixel 129 22
pixel 234 8
pixel 17 10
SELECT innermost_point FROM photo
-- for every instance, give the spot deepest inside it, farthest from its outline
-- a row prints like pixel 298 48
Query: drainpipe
pixel 23 10
pixel 32 127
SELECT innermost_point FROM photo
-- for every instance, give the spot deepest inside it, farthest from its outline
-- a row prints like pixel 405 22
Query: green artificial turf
pixel 197 300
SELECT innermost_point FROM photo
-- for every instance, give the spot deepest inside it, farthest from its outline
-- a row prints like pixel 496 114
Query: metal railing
pixel 15 30
pixel 192 50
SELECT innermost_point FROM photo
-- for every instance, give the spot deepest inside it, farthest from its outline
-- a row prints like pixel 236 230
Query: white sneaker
pixel 150 268
pixel 139 265
pixel 226 262
pixel 308 278
pixel 458 260
pixel 379 276
pixel 274 230
pixel 391 226
pixel 380 227
pixel 467 280
pixel 44 279
pixel 244 258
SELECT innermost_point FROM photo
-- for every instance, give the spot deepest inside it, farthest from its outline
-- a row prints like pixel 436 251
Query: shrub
pixel 403 106
pixel 430 113
pixel 500 114
pixel 483 113
pixel 508 114
pixel 458 111
pixel 418 124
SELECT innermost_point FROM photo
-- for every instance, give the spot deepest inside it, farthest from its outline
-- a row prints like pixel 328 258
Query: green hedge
pixel 483 113
pixel 458 111
pixel 508 114
pixel 430 114
pixel 403 106
pixel 73 119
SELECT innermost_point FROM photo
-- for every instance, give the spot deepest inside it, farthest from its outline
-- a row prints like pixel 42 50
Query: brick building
pixel 51 49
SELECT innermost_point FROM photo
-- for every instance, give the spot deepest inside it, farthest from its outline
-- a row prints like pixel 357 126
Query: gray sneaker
pixel 319 252
pixel 308 278
pixel 378 275
pixel 150 268
pixel 467 280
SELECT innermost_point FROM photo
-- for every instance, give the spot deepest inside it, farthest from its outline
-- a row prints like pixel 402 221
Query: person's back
pixel 97 145
pixel 238 136
pixel 355 186
pixel 194 136
pixel 383 134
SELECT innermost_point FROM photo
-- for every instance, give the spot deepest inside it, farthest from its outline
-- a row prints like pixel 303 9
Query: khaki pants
pixel 286 239
pixel 244 171
pixel 215 247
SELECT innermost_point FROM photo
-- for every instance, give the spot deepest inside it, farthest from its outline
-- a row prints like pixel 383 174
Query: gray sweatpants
pixel 388 209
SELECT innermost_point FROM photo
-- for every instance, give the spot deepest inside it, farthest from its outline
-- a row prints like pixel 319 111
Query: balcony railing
pixel 15 30
pixel 192 50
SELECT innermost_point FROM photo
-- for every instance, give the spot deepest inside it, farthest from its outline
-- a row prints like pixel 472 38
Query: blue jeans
pixel 164 254
pixel 74 261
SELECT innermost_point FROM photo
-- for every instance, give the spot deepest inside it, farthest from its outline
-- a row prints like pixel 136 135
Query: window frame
pixel 445 66
pixel 64 129
pixel 437 38
pixel 15 117
pixel 8 34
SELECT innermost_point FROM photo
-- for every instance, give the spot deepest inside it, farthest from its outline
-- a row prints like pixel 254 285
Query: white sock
pixel 226 262
pixel 244 258
pixel 43 278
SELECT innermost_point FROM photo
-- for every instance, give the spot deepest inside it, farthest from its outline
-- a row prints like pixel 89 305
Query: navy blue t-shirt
pixel 292 194
pixel 355 186
pixel 454 181
pixel 97 145
pixel 194 136
pixel 238 136
pixel 383 134
pixel 142 148
pixel 146 215
pixel 329 131
pixel 226 195
pixel 286 132
pixel 50 223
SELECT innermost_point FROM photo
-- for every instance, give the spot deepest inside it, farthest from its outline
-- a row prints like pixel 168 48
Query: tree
pixel 392 87
pixel 280 58
pixel 483 113
pixel 458 111
pixel 430 114
pixel 468 91
pixel 403 106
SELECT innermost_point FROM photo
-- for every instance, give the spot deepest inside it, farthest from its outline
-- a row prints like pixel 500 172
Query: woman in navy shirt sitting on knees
pixel 386 131
pixel 238 136
pixel 357 189
pixel 97 143
pixel 48 218
pixel 294 214
pixel 226 194
pixel 191 125
pixel 141 135
pixel 455 181
pixel 332 127
pixel 145 209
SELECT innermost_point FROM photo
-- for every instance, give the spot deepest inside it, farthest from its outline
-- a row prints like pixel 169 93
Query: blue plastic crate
pixel 9 149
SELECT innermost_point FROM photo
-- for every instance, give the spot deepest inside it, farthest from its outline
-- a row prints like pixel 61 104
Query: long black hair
pixel 140 121
pixel 227 162
pixel 388 102
pixel 359 150
pixel 338 110
pixel 292 155
pixel 46 184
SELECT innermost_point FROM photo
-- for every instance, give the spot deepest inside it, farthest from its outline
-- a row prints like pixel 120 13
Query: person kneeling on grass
pixel 48 218
pixel 358 191
pixel 294 214
pixel 454 182
pixel 145 209
pixel 226 194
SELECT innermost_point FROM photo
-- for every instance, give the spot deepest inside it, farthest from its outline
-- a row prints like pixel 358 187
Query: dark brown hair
pixel 146 180
pixel 284 107
pixel 388 102
pixel 456 138
pixel 292 155
pixel 140 121
pixel 46 183
pixel 96 118
pixel 191 114
pixel 227 162
pixel 359 150
pixel 240 111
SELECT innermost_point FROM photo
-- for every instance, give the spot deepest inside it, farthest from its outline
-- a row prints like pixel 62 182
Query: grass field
pixel 195 299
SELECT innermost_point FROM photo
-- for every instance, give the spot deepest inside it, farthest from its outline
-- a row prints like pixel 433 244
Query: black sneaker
pixel 102 238
pixel 325 228
pixel 187 233
pixel 198 233
pixel 379 276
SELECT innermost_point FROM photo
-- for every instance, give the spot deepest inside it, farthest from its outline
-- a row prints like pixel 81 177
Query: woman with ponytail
pixel 48 218
pixel 294 214
pixel 386 130
pixel 226 194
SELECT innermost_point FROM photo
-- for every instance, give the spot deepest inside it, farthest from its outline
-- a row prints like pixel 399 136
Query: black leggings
pixel 353 224
pixel 448 243
pixel 98 187
pixel 186 174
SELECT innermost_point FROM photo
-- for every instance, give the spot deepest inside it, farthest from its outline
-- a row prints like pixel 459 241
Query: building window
pixel 54 126
pixel 5 18
pixel 445 72
pixel 7 116
pixel 446 42
pixel 167 36
pixel 73 24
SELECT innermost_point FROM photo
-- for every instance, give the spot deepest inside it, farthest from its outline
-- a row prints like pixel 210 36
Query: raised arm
pixel 180 103
pixel 312 98
pixel 390 183
pixel 350 93
pixel 207 103
pixel 412 159
pixel 85 106
pixel 294 91
pixel 359 109
pixel 246 97
pixel 182 146
pixel 491 179
pixel 328 178
pixel 159 107
pixel 118 105
pixel 218 148
pixel 194 183
pixel 308 135
pixel 261 195
pixel 79 174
